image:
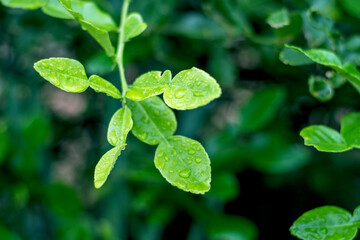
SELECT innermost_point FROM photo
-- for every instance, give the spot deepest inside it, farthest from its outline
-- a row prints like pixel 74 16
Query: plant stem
pixel 121 46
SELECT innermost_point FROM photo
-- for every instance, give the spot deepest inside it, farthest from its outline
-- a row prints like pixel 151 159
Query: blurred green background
pixel 263 178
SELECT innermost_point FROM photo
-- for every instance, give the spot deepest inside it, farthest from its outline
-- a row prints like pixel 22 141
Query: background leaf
pixel 134 26
pixel 324 139
pixel 25 4
pixel 350 129
pixel 261 108
pixel 328 222
pixel 279 18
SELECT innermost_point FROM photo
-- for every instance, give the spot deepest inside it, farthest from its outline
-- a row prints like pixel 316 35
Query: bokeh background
pixel 263 178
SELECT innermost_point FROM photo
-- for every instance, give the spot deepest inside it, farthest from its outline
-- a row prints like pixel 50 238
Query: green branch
pixel 121 46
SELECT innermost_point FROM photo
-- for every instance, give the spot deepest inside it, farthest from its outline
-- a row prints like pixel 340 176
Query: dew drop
pixel 198 160
pixel 185 173
pixel 143 136
pixel 192 152
pixel 166 158
pixel 171 171
pixel 180 93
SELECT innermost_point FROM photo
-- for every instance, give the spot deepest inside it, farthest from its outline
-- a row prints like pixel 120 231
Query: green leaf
pixel 106 164
pixel 350 129
pixel 101 85
pixel 352 7
pixel 120 125
pixel 134 26
pixel 54 8
pixel 320 88
pixel 324 139
pixel 261 108
pixel 279 18
pixel 320 56
pixel 64 73
pixel 25 4
pixel 294 58
pixel 329 59
pixel 352 74
pixel 5 142
pixel 229 227
pixel 325 223
pixel 98 27
pixel 356 217
pixel 191 89
pixel 153 120
pixel 148 84
pixel 184 163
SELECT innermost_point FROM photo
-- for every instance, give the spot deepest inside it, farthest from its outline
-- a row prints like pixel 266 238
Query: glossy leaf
pixel 101 85
pixel 153 120
pixel 279 18
pixel 148 84
pixel 25 4
pixel 191 89
pixel 134 26
pixel 320 88
pixel 120 125
pixel 328 222
pixel 324 139
pixel 261 108
pixel 54 8
pixel 184 163
pixel 64 73
pixel 106 164
pixel 350 129
pixel 98 30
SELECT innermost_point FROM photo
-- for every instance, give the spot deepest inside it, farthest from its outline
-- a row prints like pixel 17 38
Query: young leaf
pixel 25 4
pixel 148 84
pixel 184 163
pixel 279 18
pixel 320 88
pixel 120 125
pixel 98 31
pixel 101 85
pixel 191 89
pixel 134 26
pixel 153 120
pixel 54 8
pixel 350 129
pixel 106 164
pixel 64 73
pixel 324 139
pixel 328 222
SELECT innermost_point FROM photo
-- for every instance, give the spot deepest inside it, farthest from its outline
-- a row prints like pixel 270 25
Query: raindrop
pixel 185 173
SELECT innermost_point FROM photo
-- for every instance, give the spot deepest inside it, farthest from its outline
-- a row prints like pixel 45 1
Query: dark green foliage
pixel 263 177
